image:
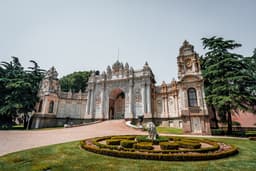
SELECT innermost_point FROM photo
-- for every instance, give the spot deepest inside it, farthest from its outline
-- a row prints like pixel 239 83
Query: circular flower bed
pixel 163 148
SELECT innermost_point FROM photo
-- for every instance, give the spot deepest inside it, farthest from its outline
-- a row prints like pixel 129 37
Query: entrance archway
pixel 116 104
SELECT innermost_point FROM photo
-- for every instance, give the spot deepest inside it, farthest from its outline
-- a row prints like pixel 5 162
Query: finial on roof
pixel 52 73
pixel 186 49
pixel 185 42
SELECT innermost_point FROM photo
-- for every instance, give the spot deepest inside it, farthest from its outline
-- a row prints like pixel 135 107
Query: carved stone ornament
pixel 188 62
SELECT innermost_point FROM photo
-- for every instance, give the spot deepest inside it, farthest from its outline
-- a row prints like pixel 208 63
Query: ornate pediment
pixel 191 78
pixel 186 49
pixel 52 73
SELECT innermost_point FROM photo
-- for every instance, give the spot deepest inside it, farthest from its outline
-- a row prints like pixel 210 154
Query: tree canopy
pixel 227 80
pixel 75 81
pixel 18 89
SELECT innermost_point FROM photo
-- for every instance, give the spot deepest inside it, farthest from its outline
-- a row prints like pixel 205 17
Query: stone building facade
pixel 121 92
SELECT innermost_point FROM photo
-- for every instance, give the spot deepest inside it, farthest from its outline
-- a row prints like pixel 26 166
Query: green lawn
pixel 69 156
pixel 14 127
pixel 21 128
pixel 168 130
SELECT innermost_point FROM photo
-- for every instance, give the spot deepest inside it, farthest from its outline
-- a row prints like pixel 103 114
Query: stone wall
pixel 47 121
pixel 71 108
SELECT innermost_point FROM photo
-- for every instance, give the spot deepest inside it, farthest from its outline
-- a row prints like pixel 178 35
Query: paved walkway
pixel 11 141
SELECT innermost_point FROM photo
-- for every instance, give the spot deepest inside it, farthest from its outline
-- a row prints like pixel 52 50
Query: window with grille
pixel 192 98
pixel 51 105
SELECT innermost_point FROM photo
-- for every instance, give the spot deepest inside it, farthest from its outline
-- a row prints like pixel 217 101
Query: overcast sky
pixel 86 34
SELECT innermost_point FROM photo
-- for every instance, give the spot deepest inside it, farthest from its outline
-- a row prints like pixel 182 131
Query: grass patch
pixel 69 156
pixel 14 127
pixel 21 128
pixel 168 130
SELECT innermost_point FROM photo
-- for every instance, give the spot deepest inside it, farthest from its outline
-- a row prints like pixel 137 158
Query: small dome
pixel 116 66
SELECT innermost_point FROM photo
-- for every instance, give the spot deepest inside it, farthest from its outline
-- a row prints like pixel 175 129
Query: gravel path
pixel 12 141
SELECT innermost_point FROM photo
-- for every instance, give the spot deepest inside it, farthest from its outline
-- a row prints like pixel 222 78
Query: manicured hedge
pixel 238 134
pixel 190 140
pixel 95 141
pixel 250 133
pixel 113 142
pixel 143 145
pixel 175 138
pixel 217 132
pixel 127 143
pixel 168 145
pixel 144 138
pixel 187 144
pixel 215 146
pixel 153 156
pixel 126 137
pixel 252 138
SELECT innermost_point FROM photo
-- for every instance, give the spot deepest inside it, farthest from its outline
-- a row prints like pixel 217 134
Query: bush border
pixel 166 155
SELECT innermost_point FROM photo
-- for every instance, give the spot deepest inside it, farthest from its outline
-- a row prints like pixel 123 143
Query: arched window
pixel 192 98
pixel 40 106
pixel 51 105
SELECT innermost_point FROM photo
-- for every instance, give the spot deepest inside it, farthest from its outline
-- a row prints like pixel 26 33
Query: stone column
pixel 176 105
pixel 45 102
pixel 199 97
pixel 203 101
pixel 88 102
pixel 163 105
pixel 167 106
pixel 130 100
pixel 92 101
pixel 143 95
pixel 103 103
pixel 185 100
pixel 149 98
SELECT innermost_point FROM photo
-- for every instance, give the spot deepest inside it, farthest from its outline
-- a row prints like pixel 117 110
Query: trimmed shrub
pixel 143 145
pixel 162 139
pixel 190 140
pixel 112 147
pixel 127 143
pixel 168 145
pixel 144 138
pixel 167 157
pixel 95 141
pixel 174 138
pixel 191 145
pixel 252 138
pixel 125 137
pixel 218 132
pixel 113 142
pixel 238 133
pixel 250 133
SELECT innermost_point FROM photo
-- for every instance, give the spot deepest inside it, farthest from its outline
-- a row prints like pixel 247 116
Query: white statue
pixel 153 135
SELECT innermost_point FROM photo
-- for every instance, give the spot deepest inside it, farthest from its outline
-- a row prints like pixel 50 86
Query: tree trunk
pixel 215 117
pixel 25 120
pixel 229 132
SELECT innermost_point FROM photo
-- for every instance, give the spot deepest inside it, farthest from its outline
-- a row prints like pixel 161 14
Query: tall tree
pixel 12 82
pixel 250 62
pixel 19 89
pixel 33 77
pixel 207 88
pixel 225 72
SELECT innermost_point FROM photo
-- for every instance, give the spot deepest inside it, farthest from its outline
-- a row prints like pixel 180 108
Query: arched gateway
pixel 120 92
pixel 116 104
